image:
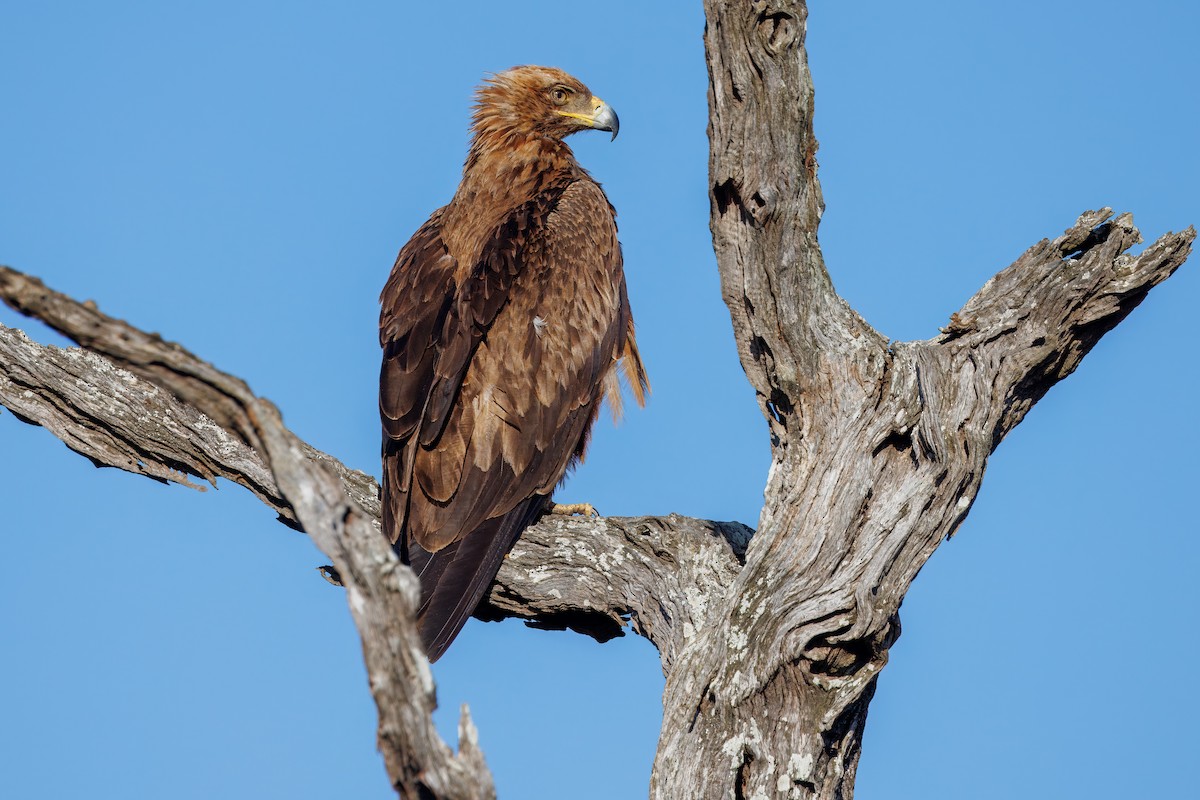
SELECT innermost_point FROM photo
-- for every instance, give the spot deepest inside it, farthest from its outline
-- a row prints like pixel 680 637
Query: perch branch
pixel 383 595
pixel 134 401
pixel 117 419
pixel 588 575
pixel 115 403
pixel 168 365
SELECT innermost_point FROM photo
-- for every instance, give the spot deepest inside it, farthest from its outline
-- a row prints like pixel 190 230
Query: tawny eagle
pixel 502 325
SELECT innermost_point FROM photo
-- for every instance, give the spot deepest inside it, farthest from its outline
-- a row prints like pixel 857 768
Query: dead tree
pixel 772 640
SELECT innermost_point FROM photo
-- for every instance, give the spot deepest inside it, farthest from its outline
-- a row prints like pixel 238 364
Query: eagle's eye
pixel 560 95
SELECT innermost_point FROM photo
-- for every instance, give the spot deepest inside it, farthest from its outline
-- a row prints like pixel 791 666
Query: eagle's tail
pixel 455 578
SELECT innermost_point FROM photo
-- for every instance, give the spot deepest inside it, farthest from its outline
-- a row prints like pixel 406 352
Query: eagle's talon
pixel 571 509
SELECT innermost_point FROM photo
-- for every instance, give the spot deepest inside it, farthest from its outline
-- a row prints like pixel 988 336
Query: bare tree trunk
pixel 878 450
pixel 771 643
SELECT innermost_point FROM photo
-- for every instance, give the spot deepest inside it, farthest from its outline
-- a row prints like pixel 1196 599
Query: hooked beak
pixel 602 118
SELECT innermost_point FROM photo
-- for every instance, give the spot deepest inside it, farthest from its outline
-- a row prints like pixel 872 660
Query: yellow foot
pixel 574 508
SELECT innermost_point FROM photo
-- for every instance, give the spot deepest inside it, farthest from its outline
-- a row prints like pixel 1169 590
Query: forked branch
pixel 878 449
pixel 771 644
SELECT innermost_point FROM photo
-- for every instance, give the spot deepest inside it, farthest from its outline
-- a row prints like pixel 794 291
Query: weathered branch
pixel 169 366
pixel 878 451
pixel 383 595
pixel 147 413
pixel 820 604
pixel 766 203
pixel 1031 325
pixel 117 419
pixel 588 575
pixel 166 364
pixel 153 420
pixel 771 645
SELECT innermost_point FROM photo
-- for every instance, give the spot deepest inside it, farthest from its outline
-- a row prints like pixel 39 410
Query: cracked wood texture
pixel 771 643
pixel 591 576
pixel 134 401
pixel 878 450
pixel 157 423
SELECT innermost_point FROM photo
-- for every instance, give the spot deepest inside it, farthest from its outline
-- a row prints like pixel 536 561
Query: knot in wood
pixel 831 656
pixel 778 31
pixel 753 211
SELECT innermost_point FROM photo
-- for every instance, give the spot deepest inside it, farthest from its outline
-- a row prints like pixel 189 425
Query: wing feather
pixel 488 389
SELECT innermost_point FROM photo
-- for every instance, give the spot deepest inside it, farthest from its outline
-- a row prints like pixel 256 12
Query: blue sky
pixel 239 176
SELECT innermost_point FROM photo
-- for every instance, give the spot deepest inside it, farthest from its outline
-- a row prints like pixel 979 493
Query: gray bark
pixel 878 450
pixel 136 402
pixel 771 643
pixel 133 401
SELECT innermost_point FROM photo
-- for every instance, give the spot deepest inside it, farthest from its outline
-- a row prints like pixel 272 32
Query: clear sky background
pixel 239 176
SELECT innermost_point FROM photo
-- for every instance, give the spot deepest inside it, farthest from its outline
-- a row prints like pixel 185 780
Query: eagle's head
pixel 539 101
